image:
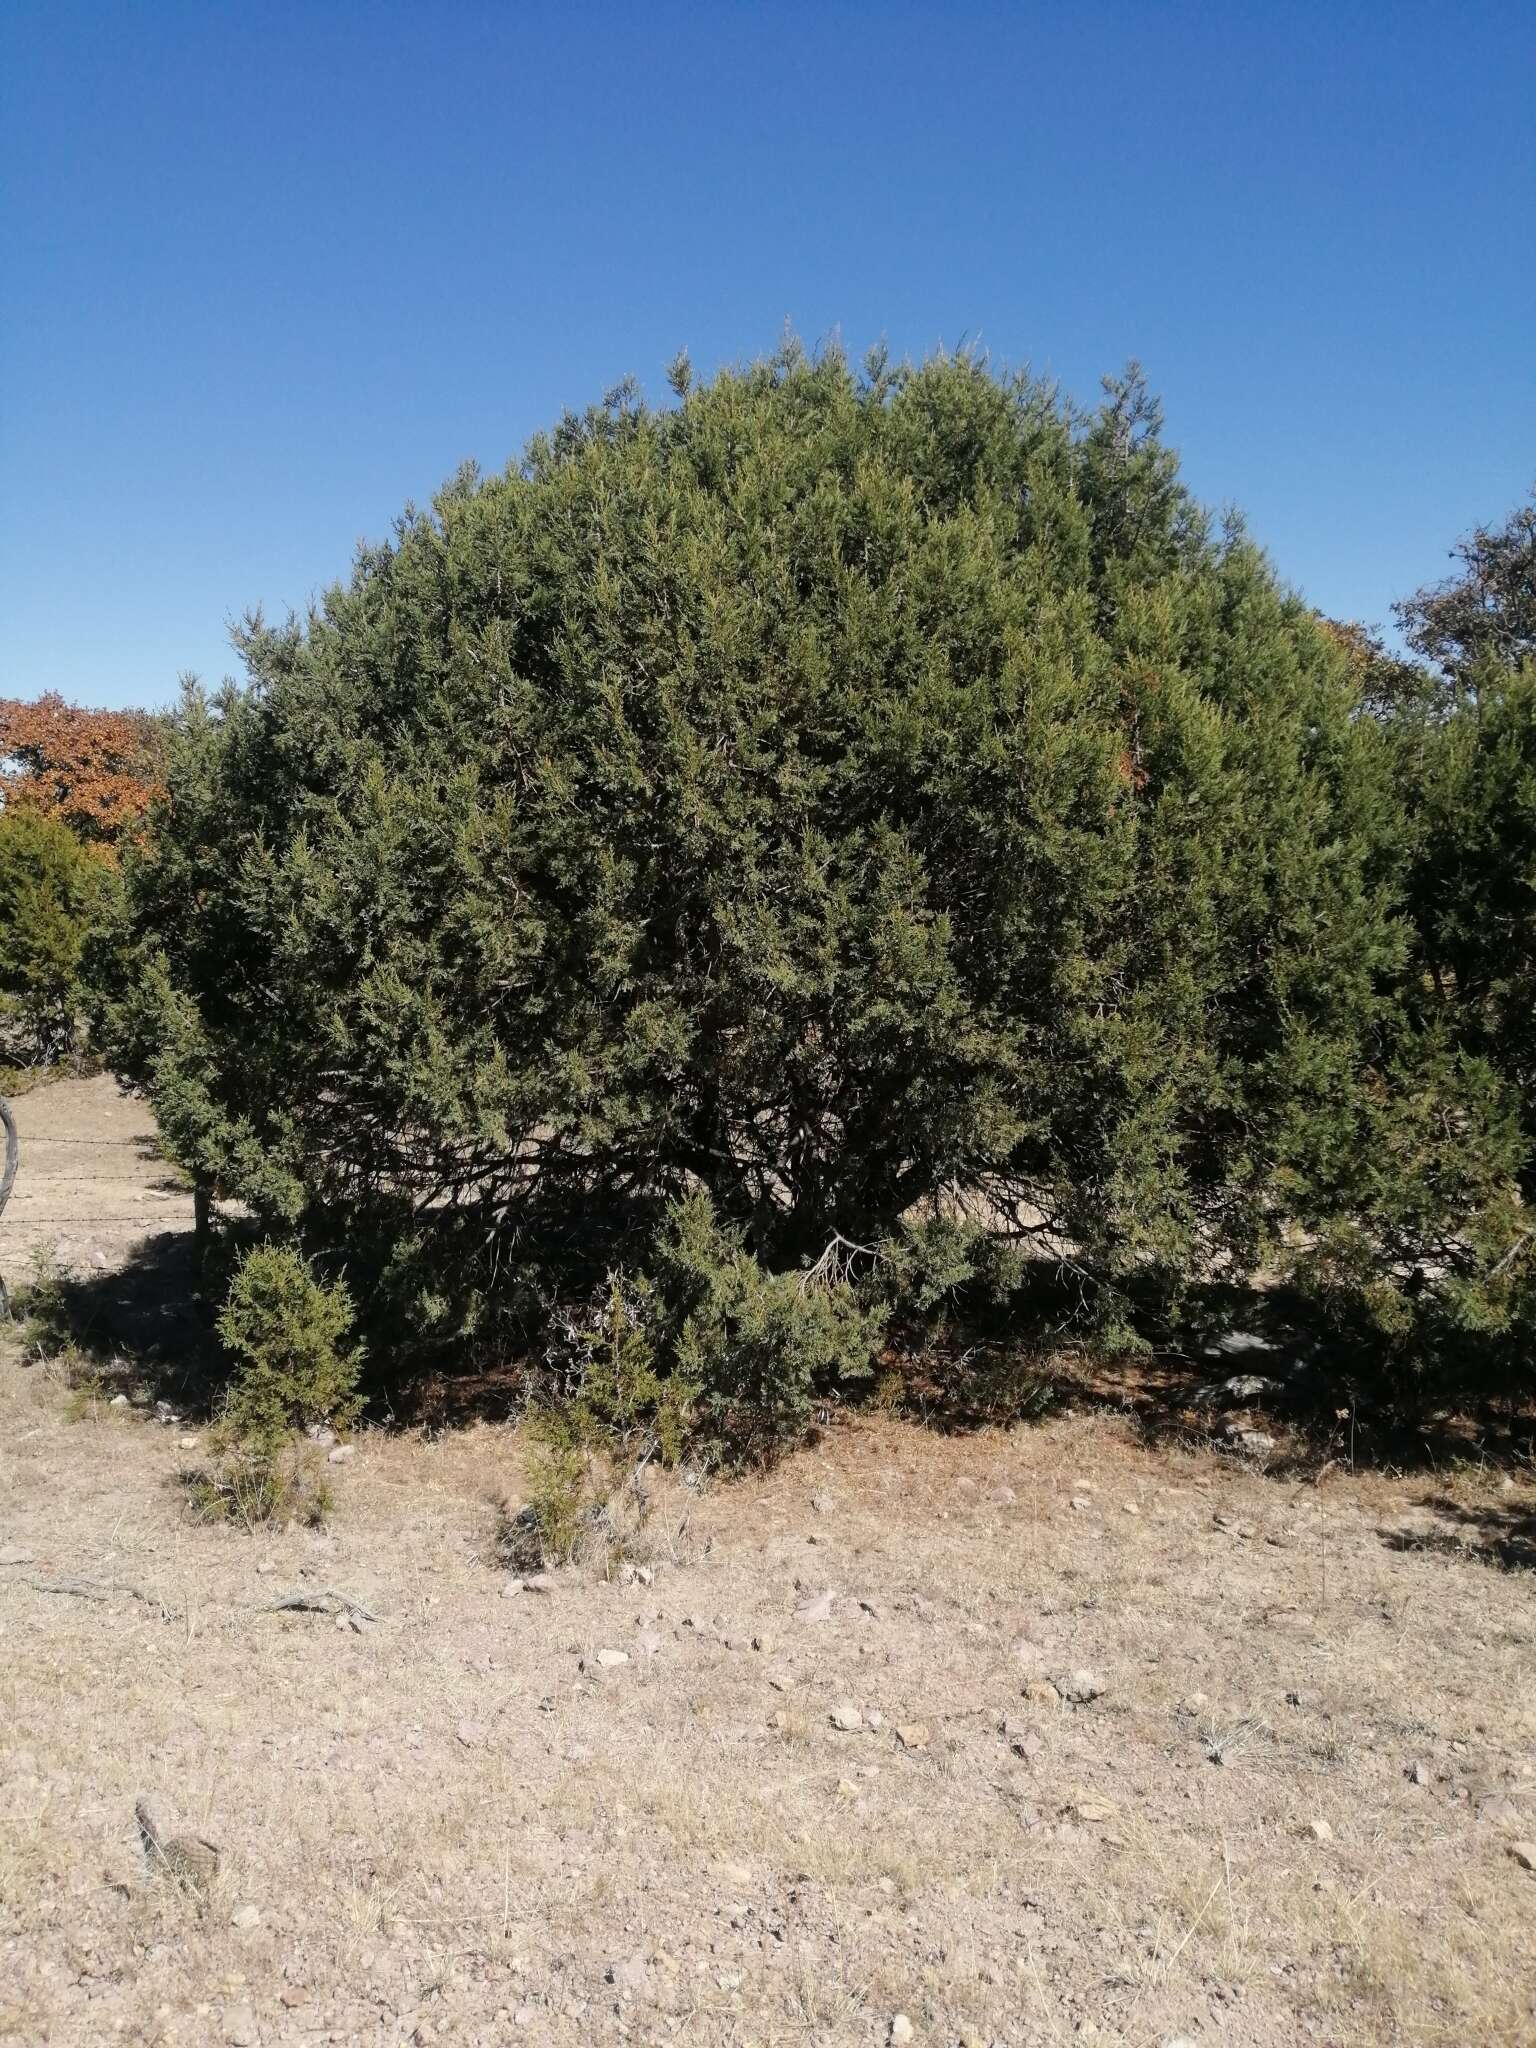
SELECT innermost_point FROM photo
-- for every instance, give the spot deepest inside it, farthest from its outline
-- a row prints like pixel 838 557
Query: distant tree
pixel 1487 613
pixel 766 826
pixel 95 771
pixel 51 891
pixel 1460 722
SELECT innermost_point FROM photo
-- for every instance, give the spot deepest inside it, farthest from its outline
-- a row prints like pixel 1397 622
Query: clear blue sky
pixel 268 271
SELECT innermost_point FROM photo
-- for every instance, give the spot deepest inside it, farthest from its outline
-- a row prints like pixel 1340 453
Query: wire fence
pixel 21 1190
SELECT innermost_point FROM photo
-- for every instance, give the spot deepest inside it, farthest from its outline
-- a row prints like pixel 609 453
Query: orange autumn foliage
pixel 95 771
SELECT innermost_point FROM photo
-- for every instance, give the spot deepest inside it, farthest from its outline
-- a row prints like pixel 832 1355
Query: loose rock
pixel 245 1917
pixel 1079 1687
pixel 846 1717
pixel 901 2028
pixel 818 1609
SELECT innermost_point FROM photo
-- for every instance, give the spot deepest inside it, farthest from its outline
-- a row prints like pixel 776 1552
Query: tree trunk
pixel 7 1180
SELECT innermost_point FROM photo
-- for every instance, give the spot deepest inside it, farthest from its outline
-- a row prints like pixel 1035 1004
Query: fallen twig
pixel 102 1589
pixel 318 1602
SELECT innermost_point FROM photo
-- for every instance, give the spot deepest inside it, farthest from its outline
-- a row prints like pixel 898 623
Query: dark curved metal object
pixel 7 1181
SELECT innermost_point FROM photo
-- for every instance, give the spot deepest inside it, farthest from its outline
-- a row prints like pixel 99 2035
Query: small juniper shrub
pixel 294 1371
pixel 761 1348
pixel 613 1411
pixel 950 1290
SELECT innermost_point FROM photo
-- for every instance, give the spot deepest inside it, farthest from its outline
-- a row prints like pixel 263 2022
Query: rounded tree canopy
pixel 840 793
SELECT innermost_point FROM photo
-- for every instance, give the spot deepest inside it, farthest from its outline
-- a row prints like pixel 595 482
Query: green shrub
pixel 760 1348
pixel 52 891
pixel 825 796
pixel 286 1330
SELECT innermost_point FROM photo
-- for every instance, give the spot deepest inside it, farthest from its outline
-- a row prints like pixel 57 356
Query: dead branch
pixel 101 1589
pixel 323 1600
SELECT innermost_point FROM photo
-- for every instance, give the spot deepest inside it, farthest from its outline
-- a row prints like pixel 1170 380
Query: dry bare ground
pixel 1291 1814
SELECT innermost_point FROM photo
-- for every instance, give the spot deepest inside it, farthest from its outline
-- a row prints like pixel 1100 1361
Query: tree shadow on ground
pixel 1249 1371
pixel 1489 1531
pixel 144 1329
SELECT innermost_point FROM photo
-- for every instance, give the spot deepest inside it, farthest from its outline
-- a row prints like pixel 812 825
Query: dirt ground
pixel 1141 1745
pixel 91 1181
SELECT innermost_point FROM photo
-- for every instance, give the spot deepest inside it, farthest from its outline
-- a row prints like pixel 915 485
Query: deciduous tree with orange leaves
pixel 95 771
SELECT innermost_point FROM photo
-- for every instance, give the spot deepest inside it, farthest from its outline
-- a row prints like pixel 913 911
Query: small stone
pixel 240 2027
pixel 1237 1341
pixel 471 1733
pixel 524 2016
pixel 511 1589
pixel 846 1717
pixel 823 1503
pixel 1079 1502
pixel 1524 1854
pixel 320 1433
pixel 342 1455
pixel 648 1643
pixel 1002 1496
pixel 1418 1774
pixel 1320 1831
pixel 1079 1686
pixel 118 1401
pixel 541 1582
pixel 245 1917
pixel 187 1443
pixel 644 1575
pixel 901 2027
pixel 1040 1691
pixel 913 1735
pixel 1092 1810
pixel 629 1976
pixel 612 1659
pixel 1258 1443
pixel 818 1609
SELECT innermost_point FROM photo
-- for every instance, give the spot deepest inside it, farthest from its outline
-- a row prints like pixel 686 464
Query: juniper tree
pixel 841 797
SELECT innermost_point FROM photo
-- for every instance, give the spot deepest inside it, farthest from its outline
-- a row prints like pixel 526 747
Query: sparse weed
pixel 255 1486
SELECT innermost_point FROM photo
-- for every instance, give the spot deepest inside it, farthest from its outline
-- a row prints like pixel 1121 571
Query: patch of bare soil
pixel 91 1181
pixel 1028 1736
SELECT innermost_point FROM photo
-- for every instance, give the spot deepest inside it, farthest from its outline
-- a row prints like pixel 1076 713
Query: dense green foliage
pixel 1463 728
pixel 744 830
pixel 287 1333
pixel 51 891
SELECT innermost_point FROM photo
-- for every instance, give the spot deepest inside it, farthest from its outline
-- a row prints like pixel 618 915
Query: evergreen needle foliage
pixel 746 829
